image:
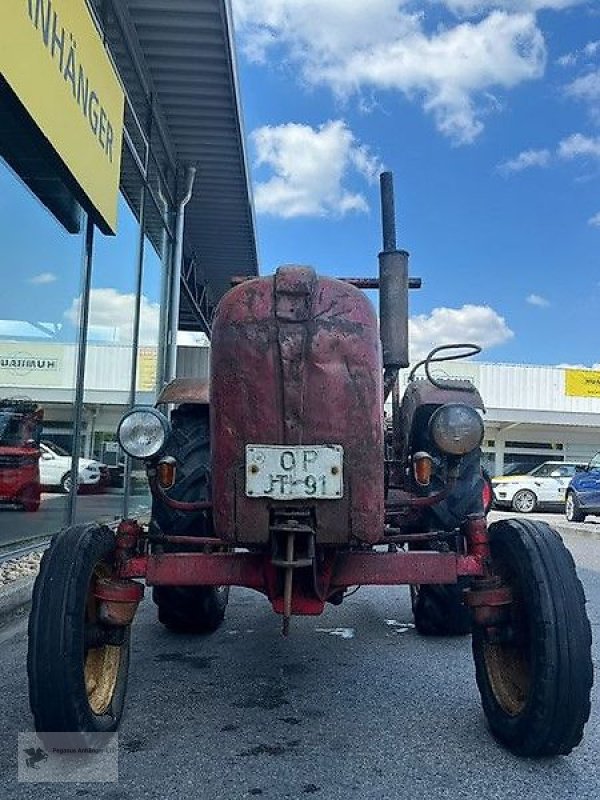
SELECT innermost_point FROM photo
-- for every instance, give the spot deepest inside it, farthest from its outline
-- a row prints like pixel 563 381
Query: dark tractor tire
pixel 535 685
pixel 573 512
pixel 466 497
pixel 75 686
pixel 191 609
pixel 524 502
pixel 189 445
pixel 439 610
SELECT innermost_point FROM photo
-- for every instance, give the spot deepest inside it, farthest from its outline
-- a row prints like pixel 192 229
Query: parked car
pixel 543 486
pixel 583 493
pixel 55 469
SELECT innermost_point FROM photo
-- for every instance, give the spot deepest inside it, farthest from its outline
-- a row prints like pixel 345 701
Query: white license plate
pixel 297 472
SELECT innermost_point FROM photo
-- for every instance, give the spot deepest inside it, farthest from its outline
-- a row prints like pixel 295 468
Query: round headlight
pixel 142 432
pixel 456 429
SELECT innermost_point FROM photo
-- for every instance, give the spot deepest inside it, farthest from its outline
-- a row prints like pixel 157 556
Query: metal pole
pixel 84 314
pixel 136 339
pixel 165 297
pixel 171 369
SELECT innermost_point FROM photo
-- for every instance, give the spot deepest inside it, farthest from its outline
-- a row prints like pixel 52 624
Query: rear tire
pixel 573 513
pixel 74 687
pixel 535 685
pixel 189 609
pixel 439 610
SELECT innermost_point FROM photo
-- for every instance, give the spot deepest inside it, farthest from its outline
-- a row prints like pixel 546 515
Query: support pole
pixel 84 314
pixel 171 367
pixel 135 341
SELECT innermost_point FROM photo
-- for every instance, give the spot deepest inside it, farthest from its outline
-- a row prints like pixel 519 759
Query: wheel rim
pixel 67 483
pixel 525 502
pixel 509 674
pixel 570 508
pixel 102 664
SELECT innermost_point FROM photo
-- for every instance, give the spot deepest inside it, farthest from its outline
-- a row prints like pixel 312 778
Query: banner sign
pixel 582 383
pixel 53 58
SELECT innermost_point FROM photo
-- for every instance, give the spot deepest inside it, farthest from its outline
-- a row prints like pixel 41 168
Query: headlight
pixel 142 432
pixel 456 429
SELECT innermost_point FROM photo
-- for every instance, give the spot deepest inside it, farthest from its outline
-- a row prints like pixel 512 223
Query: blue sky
pixel 489 115
pixel 487 112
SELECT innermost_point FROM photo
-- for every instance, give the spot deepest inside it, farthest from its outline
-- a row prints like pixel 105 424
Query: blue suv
pixel 583 493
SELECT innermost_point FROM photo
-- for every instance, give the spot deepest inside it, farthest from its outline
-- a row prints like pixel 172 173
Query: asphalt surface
pixel 17 525
pixel 354 704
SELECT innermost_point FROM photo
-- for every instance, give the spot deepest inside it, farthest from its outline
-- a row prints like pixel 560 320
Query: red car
pixel 20 427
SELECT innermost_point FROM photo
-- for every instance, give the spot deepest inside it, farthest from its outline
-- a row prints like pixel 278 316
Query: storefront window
pixel 40 265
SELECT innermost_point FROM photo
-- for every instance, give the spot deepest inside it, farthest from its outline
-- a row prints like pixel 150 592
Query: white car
pixel 55 469
pixel 543 486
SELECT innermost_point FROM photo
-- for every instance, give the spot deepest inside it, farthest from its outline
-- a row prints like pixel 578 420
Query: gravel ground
pixel 23 567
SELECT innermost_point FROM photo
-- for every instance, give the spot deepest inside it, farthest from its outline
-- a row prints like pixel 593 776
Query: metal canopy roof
pixel 185 62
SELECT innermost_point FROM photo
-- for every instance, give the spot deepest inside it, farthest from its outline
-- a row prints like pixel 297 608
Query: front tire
pixel 74 685
pixel 573 513
pixel 524 502
pixel 535 682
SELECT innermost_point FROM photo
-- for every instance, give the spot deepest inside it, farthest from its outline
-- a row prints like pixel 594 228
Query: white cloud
pixel 480 6
pixel 480 325
pixel 525 160
pixel 310 168
pixel 592 48
pixel 353 47
pixel 587 89
pixel 111 316
pixel 579 366
pixel 579 146
pixel 568 60
pixel 595 220
pixel 537 300
pixel 43 278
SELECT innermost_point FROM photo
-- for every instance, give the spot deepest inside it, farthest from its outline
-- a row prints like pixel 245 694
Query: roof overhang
pixel 184 59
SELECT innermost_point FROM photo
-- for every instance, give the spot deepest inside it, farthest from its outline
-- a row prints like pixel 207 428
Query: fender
pixel 185 390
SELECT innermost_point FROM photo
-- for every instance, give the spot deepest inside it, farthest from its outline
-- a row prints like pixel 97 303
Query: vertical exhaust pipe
pixel 393 289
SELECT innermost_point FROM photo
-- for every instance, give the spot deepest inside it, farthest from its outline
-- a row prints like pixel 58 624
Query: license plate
pixel 295 473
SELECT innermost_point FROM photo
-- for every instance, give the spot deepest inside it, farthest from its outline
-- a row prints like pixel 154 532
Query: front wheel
pixel 572 511
pixel 535 674
pixel 524 502
pixel 77 667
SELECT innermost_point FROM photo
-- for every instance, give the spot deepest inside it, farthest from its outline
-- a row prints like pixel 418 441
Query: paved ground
pixel 245 713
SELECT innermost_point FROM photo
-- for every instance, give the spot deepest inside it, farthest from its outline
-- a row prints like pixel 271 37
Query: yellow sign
pixel 53 58
pixel 582 383
pixel 146 372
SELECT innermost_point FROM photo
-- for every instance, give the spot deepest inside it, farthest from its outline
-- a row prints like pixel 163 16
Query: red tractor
pixel 282 476
pixel 20 429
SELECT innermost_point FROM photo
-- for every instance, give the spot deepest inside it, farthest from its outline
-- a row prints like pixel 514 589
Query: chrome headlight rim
pixel 470 439
pixel 158 448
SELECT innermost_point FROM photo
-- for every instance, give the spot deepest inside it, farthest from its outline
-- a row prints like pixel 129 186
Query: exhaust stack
pixel 393 286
